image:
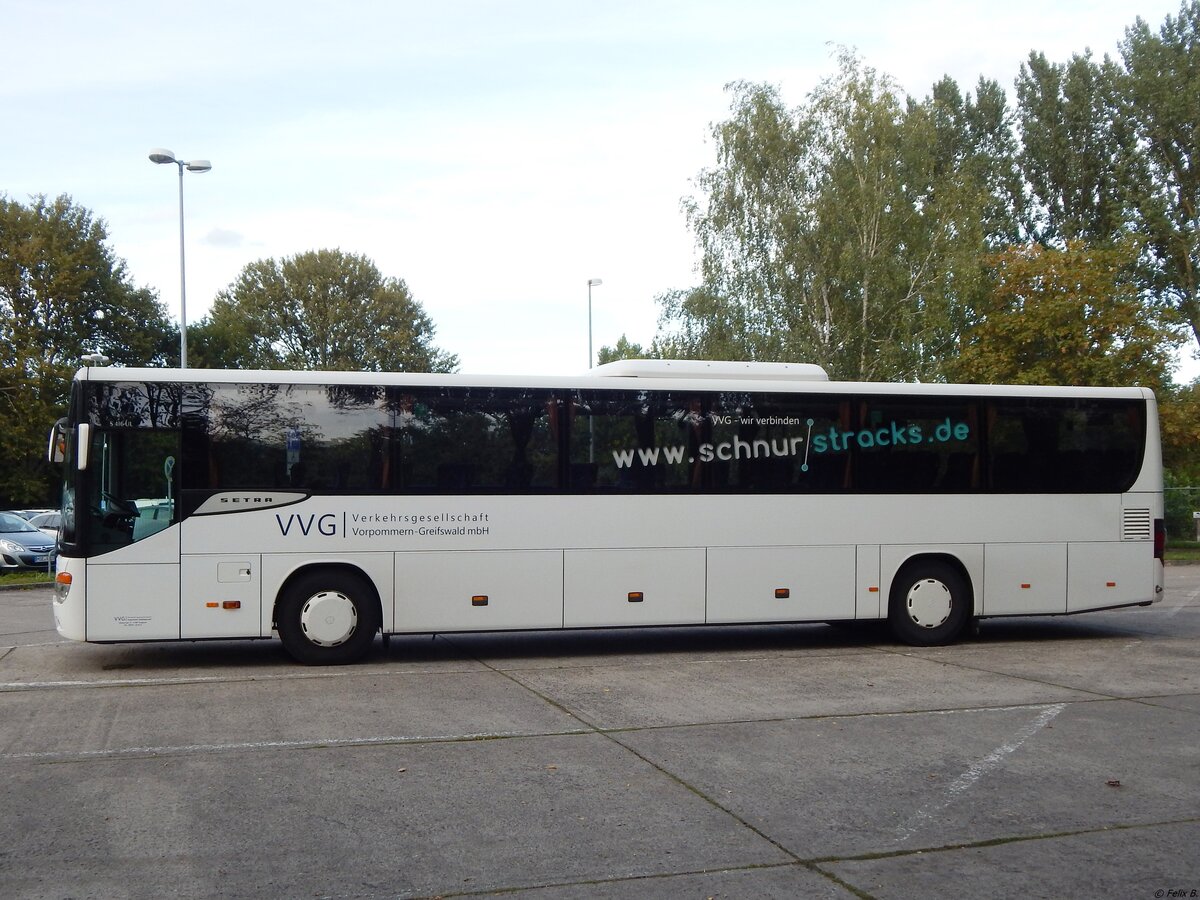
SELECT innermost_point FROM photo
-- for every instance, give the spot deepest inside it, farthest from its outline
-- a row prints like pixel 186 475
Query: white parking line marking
pixel 310 744
pixel 976 771
pixel 1190 598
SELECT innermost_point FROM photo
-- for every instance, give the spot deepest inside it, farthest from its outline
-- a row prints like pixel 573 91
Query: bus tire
pixel 327 617
pixel 930 603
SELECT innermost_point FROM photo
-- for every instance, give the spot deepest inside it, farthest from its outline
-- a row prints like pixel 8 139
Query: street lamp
pixel 161 156
pixel 592 282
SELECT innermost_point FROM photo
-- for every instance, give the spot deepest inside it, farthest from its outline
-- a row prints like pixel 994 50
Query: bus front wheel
pixel 327 618
pixel 930 603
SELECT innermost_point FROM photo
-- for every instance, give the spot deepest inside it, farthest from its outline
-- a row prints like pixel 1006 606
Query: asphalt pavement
pixel 1044 757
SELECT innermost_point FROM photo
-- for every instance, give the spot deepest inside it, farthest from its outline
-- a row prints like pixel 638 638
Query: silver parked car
pixel 22 546
pixel 47 522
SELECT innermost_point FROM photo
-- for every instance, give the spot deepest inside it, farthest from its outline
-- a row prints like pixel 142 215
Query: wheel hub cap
pixel 328 618
pixel 929 603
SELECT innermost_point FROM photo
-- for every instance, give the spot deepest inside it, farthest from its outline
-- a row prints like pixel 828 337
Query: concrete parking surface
pixel 1048 757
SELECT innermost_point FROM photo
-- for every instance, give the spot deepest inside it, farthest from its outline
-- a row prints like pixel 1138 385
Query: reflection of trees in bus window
pixel 630 440
pixel 235 435
pixel 134 405
pixel 472 440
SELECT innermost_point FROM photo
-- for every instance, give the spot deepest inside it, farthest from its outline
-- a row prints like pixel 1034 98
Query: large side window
pixel 472 440
pixel 1065 446
pixel 906 445
pixel 636 441
pixel 679 441
pixel 318 438
pixel 777 443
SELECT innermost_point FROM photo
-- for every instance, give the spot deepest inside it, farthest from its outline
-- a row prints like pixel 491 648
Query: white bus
pixel 328 507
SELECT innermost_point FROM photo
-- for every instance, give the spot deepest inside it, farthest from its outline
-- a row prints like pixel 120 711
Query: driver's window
pixel 132 485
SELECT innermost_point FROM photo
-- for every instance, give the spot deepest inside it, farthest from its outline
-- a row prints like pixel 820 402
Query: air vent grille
pixel 1136 525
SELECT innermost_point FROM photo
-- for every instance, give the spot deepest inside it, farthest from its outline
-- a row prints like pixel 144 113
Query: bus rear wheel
pixel 930 604
pixel 327 617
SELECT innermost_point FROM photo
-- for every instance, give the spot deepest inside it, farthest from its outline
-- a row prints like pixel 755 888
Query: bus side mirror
pixel 57 451
pixel 83 434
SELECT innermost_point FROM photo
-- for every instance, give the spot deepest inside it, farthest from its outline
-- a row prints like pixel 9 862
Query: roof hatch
pixel 698 368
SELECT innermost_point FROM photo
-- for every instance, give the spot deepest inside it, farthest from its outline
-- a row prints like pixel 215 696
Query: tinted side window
pixel 904 445
pixel 777 443
pixel 676 441
pixel 133 405
pixel 472 440
pixel 305 437
pixel 1064 446
pixel 635 441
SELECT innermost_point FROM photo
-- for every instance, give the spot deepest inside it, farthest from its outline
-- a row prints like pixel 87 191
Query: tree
pixel 1161 97
pixel 63 293
pixel 623 349
pixel 1071 316
pixel 1179 419
pixel 975 151
pixel 1075 146
pixel 843 233
pixel 323 309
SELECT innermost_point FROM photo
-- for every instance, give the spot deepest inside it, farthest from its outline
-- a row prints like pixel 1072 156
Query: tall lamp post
pixel 161 156
pixel 592 282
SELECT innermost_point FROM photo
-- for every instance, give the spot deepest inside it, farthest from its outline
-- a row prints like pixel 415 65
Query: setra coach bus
pixel 329 507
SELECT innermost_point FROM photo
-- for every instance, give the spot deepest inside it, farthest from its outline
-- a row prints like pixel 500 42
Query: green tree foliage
pixel 975 152
pixel 1075 146
pixel 1161 98
pixel 1071 316
pixel 844 232
pixel 322 309
pixel 1179 419
pixel 623 349
pixel 877 238
pixel 63 294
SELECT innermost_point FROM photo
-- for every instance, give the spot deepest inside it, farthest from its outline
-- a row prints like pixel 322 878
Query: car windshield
pixel 10 523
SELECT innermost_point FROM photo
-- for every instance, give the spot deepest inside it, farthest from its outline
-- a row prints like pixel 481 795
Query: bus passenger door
pixel 126 514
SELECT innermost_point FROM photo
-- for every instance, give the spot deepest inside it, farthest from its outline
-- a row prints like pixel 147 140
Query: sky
pixel 494 156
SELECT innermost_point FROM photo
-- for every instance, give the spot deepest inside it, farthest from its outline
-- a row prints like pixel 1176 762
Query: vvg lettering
pixel 325 524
